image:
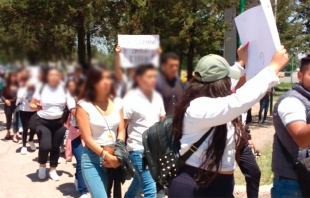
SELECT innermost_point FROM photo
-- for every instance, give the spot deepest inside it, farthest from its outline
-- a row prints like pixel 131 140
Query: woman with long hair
pixel 143 107
pixel 50 100
pixel 209 103
pixel 101 122
pixel 9 95
pixel 74 143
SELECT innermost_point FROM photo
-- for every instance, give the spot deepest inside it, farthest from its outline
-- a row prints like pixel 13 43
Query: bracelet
pixel 104 154
pixel 101 153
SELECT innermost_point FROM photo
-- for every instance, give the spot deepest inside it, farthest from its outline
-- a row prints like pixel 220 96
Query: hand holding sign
pixel 138 49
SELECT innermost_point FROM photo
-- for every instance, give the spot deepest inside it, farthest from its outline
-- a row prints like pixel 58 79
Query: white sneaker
pixel 42 172
pixel 59 161
pixel 23 151
pixel 84 196
pixel 20 129
pixel 32 146
pixel 54 176
pixel 76 183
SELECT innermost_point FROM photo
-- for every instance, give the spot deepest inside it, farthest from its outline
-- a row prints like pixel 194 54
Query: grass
pixel 281 89
pixel 264 163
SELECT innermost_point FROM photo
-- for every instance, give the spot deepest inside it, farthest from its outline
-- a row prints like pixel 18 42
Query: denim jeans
pixel 77 149
pixel 263 107
pixel 285 188
pixel 95 175
pixel 142 180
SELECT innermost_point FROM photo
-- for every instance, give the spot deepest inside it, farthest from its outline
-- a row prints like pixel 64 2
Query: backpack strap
pixel 194 147
pixel 288 156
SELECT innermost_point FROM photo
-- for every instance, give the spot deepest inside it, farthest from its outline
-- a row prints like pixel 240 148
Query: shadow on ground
pixel 255 125
pixel 68 189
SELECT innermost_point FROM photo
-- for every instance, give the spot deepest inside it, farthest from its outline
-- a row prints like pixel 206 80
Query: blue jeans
pixel 77 149
pixel 263 106
pixel 285 188
pixel 95 175
pixel 142 180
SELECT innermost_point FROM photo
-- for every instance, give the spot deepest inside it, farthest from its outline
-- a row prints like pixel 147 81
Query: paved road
pixel 18 174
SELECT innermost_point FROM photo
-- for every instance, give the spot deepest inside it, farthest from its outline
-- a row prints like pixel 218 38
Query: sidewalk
pixel 19 172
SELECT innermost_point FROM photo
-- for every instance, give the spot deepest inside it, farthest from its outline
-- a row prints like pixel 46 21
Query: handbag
pixel 301 167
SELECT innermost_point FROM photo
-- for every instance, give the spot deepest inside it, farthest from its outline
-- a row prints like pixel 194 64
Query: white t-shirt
pixel 291 113
pixel 100 124
pixel 24 97
pixel 142 114
pixel 204 113
pixel 53 101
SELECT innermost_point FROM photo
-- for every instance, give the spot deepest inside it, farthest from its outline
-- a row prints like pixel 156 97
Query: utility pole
pixel 241 9
pixel 271 93
pixel 292 68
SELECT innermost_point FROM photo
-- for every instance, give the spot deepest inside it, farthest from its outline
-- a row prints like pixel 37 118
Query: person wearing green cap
pixel 209 103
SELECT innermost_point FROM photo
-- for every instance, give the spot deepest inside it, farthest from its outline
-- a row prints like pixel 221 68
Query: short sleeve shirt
pixel 291 113
pixel 142 114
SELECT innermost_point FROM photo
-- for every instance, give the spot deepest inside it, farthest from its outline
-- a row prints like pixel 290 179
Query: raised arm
pixel 117 65
pixel 218 111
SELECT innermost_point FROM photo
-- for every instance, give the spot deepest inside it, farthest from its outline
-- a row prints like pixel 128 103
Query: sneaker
pixel 76 183
pixel 84 196
pixel 54 176
pixel 32 146
pixel 42 172
pixel 59 161
pixel 20 130
pixel 23 151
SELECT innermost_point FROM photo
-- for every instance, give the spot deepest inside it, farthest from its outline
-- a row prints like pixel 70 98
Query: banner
pixel 138 50
pixel 258 27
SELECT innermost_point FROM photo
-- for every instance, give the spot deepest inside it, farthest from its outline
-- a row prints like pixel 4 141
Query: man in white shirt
pixel 292 138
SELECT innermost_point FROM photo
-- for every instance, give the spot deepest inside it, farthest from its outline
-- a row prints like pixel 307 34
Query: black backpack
pixel 161 151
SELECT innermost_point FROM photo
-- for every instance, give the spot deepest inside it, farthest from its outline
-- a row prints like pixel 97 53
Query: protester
pixel 264 104
pixel 100 121
pixel 169 85
pixel 50 100
pixel 292 137
pixel 9 95
pixel 208 103
pixel 74 145
pixel 27 115
pixel 143 107
pixel 124 82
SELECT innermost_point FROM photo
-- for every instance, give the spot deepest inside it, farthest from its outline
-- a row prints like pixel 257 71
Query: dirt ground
pixel 19 172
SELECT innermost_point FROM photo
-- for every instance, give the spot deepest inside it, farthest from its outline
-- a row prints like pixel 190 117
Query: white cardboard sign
pixel 258 27
pixel 138 49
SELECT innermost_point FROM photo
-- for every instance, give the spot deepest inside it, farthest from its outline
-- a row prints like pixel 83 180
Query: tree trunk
pixel 190 60
pixel 88 48
pixel 81 41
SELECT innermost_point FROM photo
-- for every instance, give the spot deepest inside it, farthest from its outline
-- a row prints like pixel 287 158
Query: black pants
pixel 28 121
pixel 250 170
pixel 8 111
pixel 184 185
pixel 50 134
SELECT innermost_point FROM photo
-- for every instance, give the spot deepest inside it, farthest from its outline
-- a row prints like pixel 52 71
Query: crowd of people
pixel 100 118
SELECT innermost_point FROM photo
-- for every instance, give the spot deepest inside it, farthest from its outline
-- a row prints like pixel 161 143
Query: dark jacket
pixel 125 170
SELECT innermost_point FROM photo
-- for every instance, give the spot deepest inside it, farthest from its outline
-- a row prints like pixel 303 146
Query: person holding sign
pixel 208 102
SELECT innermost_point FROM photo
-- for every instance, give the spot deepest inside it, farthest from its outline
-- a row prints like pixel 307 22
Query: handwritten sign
pixel 138 50
pixel 258 26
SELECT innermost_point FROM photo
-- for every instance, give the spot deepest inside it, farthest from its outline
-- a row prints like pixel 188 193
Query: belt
pixel 286 178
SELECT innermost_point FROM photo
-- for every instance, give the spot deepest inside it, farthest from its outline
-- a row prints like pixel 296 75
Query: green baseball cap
pixel 213 67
